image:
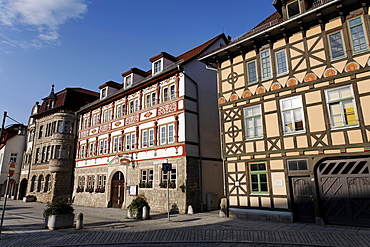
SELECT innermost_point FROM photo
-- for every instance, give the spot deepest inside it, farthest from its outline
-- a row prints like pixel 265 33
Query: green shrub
pixel 59 205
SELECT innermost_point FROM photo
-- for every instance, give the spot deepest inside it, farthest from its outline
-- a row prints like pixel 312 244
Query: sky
pixel 85 43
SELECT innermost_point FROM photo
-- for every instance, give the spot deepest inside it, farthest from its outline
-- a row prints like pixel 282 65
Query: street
pixel 24 226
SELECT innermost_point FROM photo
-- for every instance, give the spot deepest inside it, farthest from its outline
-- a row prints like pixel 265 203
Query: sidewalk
pixel 24 226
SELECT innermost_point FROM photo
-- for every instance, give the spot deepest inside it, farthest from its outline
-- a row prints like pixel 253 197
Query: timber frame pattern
pixel 295 63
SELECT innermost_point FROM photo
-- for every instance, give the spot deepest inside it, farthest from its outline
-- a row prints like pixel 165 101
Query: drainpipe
pixel 198 134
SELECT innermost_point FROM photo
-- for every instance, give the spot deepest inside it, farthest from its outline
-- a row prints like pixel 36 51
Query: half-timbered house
pixel 295 130
pixel 167 115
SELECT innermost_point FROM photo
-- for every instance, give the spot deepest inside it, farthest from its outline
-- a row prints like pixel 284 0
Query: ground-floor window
pixel 171 175
pixel 258 178
pixel 102 179
pixel 146 180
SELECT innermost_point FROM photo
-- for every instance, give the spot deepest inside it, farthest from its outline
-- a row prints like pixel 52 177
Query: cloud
pixel 42 17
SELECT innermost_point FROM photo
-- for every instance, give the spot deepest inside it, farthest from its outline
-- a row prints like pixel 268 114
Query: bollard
pixel 146 213
pixel 79 221
pixel 190 210
pixel 224 208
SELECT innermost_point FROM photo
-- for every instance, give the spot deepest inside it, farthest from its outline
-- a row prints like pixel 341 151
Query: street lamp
pixel 21 131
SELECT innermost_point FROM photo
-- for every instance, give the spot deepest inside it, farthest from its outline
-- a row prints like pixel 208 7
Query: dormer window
pixel 103 93
pixel 157 66
pixel 128 80
pixel 293 9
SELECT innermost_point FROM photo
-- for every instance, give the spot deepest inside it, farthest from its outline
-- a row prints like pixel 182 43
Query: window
pixel 157 66
pixel 60 126
pixel 107 115
pixel 90 182
pixel 165 94
pixel 134 105
pixel 172 92
pixel 356 27
pixel 43 154
pixel 147 176
pixel 82 154
pixel 13 157
pixel 166 134
pixel 128 80
pixel 33 184
pixel 40 187
pixel 117 143
pixel 31 136
pixel 103 146
pixel 47 183
pixel 37 155
pixel 119 111
pixel 57 152
pixel 102 180
pixel 96 119
pixel 130 141
pixel 163 134
pixel 103 93
pixel 265 65
pixel 81 182
pixel 293 9
pixel 171 175
pixel 253 121
pixel 292 114
pixel 336 45
pixel 151 137
pixel 252 72
pixel 150 100
pixel 258 178
pixel 281 64
pixel 341 106
pixel 144 141
pixel 40 131
pixel 297 165
pixel 92 148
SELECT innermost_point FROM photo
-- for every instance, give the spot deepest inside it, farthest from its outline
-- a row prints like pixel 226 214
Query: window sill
pixel 294 133
pixel 259 194
pixel 254 138
pixel 344 127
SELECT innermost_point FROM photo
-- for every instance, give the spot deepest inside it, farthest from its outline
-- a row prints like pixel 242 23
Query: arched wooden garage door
pixel 344 187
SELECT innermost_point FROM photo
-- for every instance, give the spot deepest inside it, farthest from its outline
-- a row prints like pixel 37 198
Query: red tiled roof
pixel 197 50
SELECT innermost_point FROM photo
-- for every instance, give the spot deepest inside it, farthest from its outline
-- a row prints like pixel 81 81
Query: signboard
pixel 11 168
pixel 166 167
pixel 133 190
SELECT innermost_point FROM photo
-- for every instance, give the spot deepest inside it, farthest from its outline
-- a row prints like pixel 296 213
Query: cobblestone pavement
pixel 24 226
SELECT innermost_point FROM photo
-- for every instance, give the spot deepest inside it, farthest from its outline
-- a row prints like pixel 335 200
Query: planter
pixel 59 221
pixel 29 199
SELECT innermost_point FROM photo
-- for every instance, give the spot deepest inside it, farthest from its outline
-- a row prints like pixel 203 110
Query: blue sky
pixel 79 43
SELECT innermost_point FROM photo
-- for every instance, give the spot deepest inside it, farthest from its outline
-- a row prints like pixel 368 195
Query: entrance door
pixel 303 205
pixel 344 187
pixel 117 190
pixel 22 189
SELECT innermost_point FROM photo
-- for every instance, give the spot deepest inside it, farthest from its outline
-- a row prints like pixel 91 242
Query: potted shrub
pixel 59 213
pixel 141 185
pixel 163 185
pixel 135 209
pixel 148 185
pixel 171 185
pixel 99 190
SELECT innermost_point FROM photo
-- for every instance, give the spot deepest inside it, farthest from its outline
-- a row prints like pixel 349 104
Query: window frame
pixel 258 173
pixel 287 8
pixel 363 31
pixel 250 82
pixel 292 116
pixel 266 64
pixel 297 170
pixel 342 110
pixel 285 62
pixel 157 66
pixel 331 45
pixel 254 117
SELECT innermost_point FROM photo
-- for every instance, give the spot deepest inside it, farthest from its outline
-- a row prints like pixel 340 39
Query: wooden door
pixel 344 187
pixel 117 190
pixel 303 204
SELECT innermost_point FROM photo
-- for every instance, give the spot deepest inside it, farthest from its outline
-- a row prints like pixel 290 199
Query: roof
pixel 111 84
pixel 181 60
pixel 70 99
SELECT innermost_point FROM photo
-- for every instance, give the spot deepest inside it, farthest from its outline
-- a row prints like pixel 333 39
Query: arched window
pixel 33 184
pixel 47 183
pixel 40 186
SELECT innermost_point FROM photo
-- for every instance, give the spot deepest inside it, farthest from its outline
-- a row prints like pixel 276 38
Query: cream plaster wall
pixel 276 164
pixel 272 129
pixel 316 118
pixel 278 183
